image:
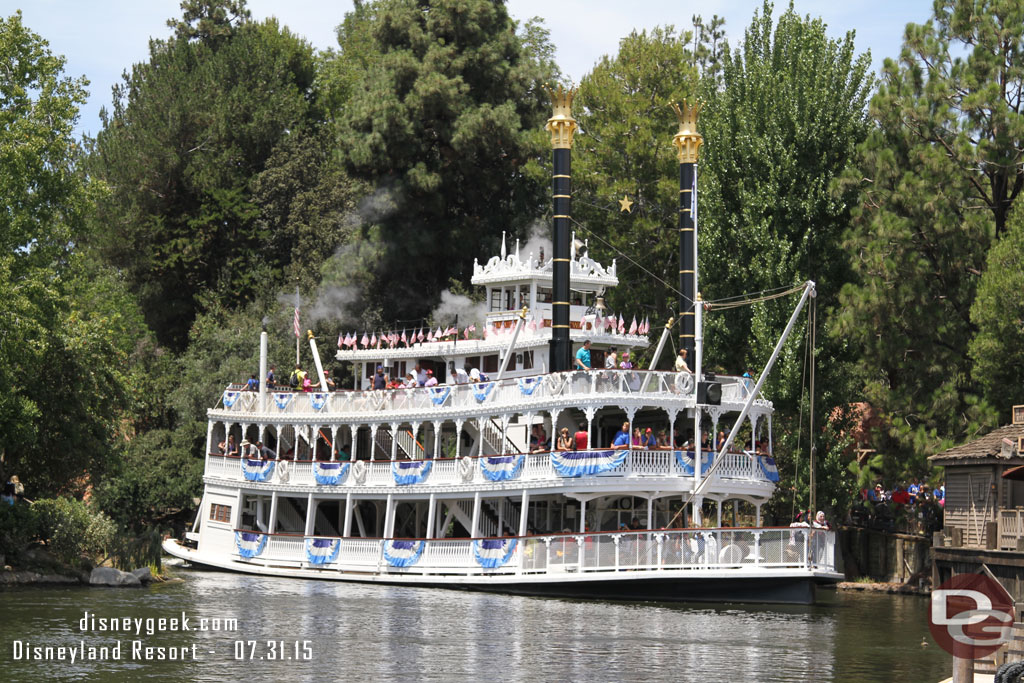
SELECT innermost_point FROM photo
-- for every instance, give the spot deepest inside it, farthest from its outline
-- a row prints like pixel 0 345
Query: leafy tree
pixel 938 177
pixel 68 325
pixel 997 348
pixel 189 131
pixel 444 121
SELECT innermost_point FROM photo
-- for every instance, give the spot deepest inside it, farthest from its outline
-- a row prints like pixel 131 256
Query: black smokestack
pixel 687 142
pixel 562 126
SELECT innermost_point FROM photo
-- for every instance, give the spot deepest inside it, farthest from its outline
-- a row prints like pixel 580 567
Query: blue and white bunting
pixel 408 472
pixel 502 467
pixel 318 401
pixel 771 471
pixel 322 550
pixel 329 473
pixel 583 463
pixel 439 395
pixel 527 385
pixel 282 399
pixel 491 553
pixel 403 553
pixel 482 390
pixel 257 470
pixel 250 544
pixel 230 398
pixel 685 460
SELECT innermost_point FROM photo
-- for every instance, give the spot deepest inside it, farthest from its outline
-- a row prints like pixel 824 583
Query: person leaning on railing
pixel 680 365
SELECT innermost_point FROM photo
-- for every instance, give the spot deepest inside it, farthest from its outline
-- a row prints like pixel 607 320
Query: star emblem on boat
pixel 625 204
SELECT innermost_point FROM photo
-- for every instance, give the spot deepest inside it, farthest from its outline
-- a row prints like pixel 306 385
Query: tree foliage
pixel 443 121
pixel 189 132
pixel 938 176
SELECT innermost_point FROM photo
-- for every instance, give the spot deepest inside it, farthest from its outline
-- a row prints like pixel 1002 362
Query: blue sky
pixel 102 39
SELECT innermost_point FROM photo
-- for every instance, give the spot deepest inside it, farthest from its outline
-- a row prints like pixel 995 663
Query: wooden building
pixel 984 499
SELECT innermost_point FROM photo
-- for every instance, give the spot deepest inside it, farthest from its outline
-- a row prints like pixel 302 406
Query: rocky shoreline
pixel 894 588
pixel 43 569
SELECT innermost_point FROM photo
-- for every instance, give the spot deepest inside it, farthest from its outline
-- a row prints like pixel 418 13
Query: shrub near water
pixel 70 529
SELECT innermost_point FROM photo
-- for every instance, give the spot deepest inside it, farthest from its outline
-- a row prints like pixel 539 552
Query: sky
pixel 102 39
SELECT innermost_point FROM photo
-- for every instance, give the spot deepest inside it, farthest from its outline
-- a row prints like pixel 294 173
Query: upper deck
pixel 626 389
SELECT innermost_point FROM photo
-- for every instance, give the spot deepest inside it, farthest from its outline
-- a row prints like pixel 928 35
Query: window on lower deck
pixel 220 513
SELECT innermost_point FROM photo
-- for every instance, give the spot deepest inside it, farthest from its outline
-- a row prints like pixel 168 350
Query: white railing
pixel 511 392
pixel 681 549
pixel 467 471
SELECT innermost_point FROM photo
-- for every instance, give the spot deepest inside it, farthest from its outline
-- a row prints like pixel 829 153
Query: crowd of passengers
pixel 625 439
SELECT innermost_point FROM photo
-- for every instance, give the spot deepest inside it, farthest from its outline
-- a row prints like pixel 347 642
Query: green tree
pixel 444 122
pixel 68 324
pixel 189 132
pixel 938 176
pixel 997 348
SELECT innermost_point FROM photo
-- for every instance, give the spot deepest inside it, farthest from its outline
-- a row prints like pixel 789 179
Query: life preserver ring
pixel 555 384
pixel 283 473
pixel 466 468
pixel 359 471
pixel 684 382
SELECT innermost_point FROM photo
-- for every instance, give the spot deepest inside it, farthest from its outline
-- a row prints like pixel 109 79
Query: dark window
pixel 220 513
pixel 495 299
pixel 527 360
pixel 491 363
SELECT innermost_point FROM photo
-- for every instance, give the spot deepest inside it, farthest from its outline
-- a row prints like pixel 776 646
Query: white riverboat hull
pixel 783 585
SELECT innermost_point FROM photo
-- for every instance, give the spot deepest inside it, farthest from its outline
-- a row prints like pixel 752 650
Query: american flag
pixel 296 325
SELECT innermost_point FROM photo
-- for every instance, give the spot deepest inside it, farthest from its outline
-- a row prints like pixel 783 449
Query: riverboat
pixel 452 486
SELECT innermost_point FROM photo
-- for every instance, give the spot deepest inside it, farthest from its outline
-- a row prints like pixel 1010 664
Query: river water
pixel 338 631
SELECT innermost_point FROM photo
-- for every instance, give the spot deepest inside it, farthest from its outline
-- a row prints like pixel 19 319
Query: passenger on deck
pixel 410 381
pixel 720 441
pixel 232 447
pixel 431 381
pixel 252 384
pixel 380 380
pixel 582 361
pixel 581 437
pixel 626 364
pixel 662 441
pixel 272 377
pixel 307 383
pixel 458 375
pixel 421 375
pixel 680 365
pixel 621 439
pixel 637 440
pixel 611 359
pixel 265 452
pixel 565 442
pixel 648 440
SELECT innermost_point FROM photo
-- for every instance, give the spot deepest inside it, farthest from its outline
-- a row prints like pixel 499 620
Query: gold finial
pixel 670 323
pixel 687 141
pixel 561 124
pixel 309 334
pixel 522 313
pixel 625 204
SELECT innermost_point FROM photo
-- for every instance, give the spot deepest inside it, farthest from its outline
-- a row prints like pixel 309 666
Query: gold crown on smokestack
pixel 561 124
pixel 687 141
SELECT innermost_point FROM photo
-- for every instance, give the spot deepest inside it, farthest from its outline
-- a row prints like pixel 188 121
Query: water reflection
pixel 360 632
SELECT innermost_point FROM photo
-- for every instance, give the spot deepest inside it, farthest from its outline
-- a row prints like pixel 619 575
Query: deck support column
pixel 458 437
pixel 718 512
pixel 394 440
pixel 476 515
pixel 389 518
pixel 753 433
pixel 650 516
pixel 431 505
pixel 437 438
pixel 334 442
pixel 310 514
pixel 209 440
pixel 524 513
pixel 277 451
pixel 260 524
pixel 735 512
pixel 758 518
pixel 272 525
pixel 672 429
pixel 590 412
pixel 347 529
pixel 583 515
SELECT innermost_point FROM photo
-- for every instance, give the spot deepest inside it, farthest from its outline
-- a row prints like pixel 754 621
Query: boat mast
pixel 687 143
pixel 562 126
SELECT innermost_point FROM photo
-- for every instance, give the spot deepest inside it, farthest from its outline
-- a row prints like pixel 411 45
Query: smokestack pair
pixel 687 142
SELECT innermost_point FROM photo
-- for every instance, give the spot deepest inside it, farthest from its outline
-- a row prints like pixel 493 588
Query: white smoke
pixel 539 241
pixel 468 311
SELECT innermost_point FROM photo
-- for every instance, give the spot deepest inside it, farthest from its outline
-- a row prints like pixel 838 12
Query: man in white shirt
pixel 421 375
